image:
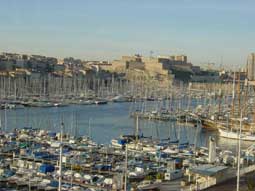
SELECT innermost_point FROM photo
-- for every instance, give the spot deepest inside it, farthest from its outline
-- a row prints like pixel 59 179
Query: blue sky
pixel 207 31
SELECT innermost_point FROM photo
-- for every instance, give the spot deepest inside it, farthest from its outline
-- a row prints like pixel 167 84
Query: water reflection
pixel 107 122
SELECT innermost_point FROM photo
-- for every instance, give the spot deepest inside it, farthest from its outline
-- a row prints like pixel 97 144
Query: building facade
pixel 251 67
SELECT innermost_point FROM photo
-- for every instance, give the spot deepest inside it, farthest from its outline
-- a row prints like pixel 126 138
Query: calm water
pixel 106 122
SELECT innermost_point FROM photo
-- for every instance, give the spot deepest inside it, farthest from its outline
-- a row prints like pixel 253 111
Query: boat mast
pixel 90 129
pixel 15 89
pixel 178 121
pixel 220 100
pixel 0 123
pixel 233 95
pixel 189 97
pixel 76 125
pixel 126 168
pixel 239 92
pixel 239 152
pixel 137 130
pixel 5 117
pixel 60 157
pixel 246 87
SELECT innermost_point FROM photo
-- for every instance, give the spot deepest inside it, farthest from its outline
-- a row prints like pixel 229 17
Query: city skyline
pixel 219 31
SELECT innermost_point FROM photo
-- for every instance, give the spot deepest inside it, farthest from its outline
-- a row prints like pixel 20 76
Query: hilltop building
pixel 161 67
pixel 159 64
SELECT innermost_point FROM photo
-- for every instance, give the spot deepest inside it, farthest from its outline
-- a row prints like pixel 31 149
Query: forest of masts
pixel 50 86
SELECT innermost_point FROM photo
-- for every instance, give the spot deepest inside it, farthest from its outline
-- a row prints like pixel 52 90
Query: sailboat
pixel 245 136
pixel 228 132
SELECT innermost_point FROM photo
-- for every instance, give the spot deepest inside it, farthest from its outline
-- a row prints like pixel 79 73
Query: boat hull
pixel 234 135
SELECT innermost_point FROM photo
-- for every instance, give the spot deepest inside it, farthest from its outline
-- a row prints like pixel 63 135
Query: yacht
pixel 245 136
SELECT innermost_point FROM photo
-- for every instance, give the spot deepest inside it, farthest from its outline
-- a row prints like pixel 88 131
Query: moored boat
pixel 247 136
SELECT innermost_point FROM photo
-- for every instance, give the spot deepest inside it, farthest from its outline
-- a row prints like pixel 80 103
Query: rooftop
pixel 208 170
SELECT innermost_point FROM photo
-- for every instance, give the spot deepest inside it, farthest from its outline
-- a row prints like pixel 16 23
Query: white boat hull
pixel 115 144
pixel 234 135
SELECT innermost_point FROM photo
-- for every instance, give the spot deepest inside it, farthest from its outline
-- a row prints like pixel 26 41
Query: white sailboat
pixel 246 136
pixel 229 133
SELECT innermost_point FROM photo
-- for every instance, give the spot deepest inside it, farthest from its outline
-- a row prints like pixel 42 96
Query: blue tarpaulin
pixel 45 168
pixel 44 155
pixel 8 173
pixel 122 141
pixel 54 183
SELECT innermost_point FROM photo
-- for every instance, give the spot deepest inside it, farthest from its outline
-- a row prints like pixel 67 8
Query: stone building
pixel 251 67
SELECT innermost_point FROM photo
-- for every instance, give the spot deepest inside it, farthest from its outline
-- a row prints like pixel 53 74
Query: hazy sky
pixel 205 30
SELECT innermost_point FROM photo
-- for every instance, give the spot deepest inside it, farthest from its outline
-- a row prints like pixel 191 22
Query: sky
pixel 219 31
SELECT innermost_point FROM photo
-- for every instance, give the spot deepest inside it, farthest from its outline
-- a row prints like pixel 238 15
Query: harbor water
pixel 105 122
